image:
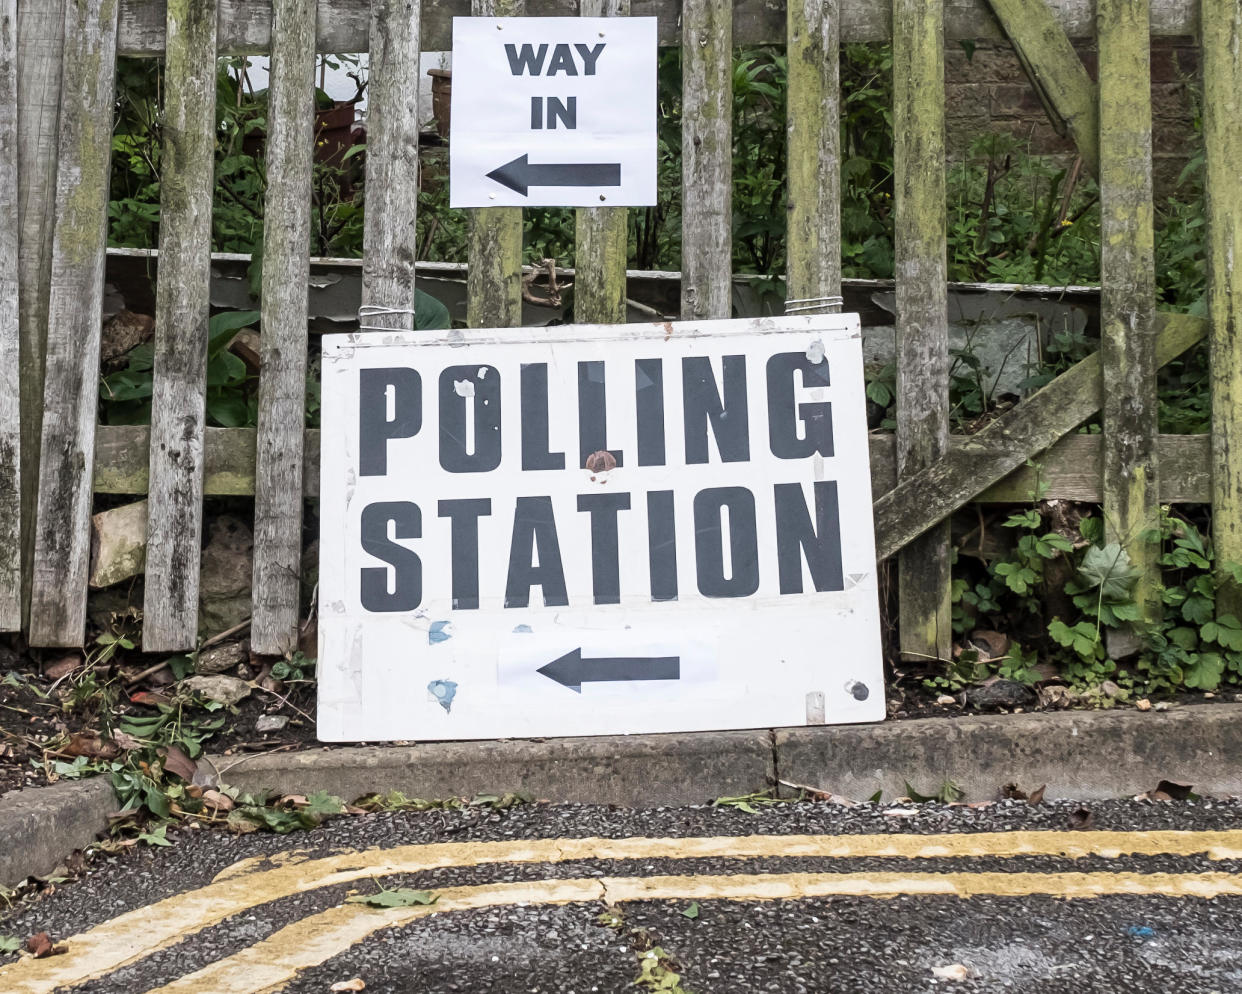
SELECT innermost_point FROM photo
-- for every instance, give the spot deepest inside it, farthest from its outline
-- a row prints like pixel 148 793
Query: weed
pixel 657 969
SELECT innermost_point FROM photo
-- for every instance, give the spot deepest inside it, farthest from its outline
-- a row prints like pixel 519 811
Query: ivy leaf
pixel 1205 672
pixel 1197 609
pixel 400 897
pixel 1225 630
pixel 1109 568
pixel 323 803
pixel 9 944
pixel 156 838
pixel 1081 638
pixel 1184 638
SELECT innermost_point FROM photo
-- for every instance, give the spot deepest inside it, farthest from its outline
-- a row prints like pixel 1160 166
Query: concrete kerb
pixel 631 771
pixel 1078 755
pixel 41 826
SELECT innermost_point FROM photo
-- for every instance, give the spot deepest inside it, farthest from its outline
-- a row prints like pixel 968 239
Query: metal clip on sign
pixel 368 312
pixel 814 305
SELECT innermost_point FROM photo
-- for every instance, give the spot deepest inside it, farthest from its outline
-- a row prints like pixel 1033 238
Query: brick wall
pixel 990 92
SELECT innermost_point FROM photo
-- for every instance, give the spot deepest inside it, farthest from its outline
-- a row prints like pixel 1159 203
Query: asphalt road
pixel 569 900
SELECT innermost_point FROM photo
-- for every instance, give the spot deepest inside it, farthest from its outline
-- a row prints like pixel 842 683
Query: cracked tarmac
pixel 798 897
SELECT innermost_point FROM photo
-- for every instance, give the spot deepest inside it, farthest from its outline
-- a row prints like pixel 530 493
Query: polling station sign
pixel 553 111
pixel 588 530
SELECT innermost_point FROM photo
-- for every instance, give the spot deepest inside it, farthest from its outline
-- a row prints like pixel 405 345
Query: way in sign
pixel 553 111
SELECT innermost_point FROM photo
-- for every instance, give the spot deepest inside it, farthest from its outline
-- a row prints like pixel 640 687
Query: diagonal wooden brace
pixel 1056 72
pixel 920 501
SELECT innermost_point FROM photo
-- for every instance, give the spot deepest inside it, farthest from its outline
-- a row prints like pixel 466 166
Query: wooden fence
pixel 58 58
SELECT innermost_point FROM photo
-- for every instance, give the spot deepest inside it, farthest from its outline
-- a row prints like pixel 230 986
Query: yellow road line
pixel 245 885
pixel 272 963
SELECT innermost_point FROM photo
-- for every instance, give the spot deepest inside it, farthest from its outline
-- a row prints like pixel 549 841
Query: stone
pixel 225 689
pixel 1001 694
pixel 122 333
pixel 118 544
pixel 1122 643
pixel 222 658
pixel 224 584
pixel 266 723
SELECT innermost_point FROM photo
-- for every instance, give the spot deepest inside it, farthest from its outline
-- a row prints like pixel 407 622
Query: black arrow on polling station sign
pixel 520 174
pixel 572 671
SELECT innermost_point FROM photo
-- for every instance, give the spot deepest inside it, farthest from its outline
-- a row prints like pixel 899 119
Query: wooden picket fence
pixel 57 70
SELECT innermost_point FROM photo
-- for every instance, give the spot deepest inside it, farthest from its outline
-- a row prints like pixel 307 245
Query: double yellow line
pixel 272 963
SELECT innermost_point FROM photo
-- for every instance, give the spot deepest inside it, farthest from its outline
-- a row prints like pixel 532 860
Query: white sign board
pixel 553 111
pixel 714 567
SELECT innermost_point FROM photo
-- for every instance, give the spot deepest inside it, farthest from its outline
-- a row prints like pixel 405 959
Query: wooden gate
pixel 57 70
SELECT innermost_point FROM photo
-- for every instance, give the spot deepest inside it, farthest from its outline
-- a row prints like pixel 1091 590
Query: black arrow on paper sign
pixel 520 174
pixel 572 671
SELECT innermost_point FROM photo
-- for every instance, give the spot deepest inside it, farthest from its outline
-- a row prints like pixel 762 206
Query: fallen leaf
pixel 400 897
pixel 217 801
pixel 150 698
pixel 40 946
pixel 692 912
pixel 90 744
pixel 176 761
pixel 127 741
pixel 1081 819
pixel 357 984
pixel 9 944
pixel 955 971
pixel 1037 796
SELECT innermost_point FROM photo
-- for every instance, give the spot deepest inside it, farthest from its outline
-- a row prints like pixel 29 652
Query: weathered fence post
pixel 601 234
pixel 182 292
pixel 706 160
pixel 390 238
pixel 1222 134
pixel 494 278
pixel 40 46
pixel 1127 300
pixel 10 342
pixel 75 299
pixel 922 309
pixel 813 234
pixel 282 377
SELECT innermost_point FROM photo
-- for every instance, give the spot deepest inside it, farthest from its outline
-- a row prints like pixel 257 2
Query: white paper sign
pixel 553 111
pixel 581 530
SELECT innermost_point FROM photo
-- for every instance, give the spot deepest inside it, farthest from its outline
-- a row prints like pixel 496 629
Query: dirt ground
pixel 47 704
pixel 43 710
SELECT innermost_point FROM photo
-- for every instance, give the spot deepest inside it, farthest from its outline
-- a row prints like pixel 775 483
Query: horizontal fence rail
pixel 343 25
